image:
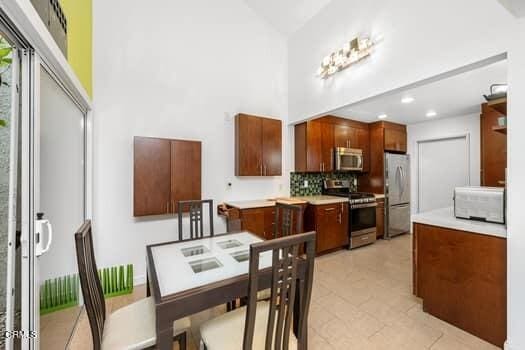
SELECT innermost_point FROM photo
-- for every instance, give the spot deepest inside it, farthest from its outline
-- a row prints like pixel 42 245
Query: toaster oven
pixel 480 203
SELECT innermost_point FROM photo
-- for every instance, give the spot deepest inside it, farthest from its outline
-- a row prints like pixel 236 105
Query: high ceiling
pixel 455 96
pixel 287 16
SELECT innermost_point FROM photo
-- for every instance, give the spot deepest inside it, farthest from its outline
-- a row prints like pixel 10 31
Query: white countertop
pixel 321 199
pixel 379 196
pixel 445 218
pixel 264 203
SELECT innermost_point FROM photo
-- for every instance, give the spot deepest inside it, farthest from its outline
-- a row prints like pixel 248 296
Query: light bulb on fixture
pixel 382 116
pixel 431 114
pixel 407 100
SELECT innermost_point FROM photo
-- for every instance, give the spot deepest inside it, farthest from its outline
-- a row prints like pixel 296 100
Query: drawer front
pixel 358 241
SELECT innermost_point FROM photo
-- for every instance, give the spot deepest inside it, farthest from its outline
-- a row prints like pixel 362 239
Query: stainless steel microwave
pixel 348 159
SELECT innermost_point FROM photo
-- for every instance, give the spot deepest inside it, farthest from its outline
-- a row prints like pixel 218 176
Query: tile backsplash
pixel 315 182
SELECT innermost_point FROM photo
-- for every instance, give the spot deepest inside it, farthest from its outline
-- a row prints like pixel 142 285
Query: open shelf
pixel 500 129
pixel 499 104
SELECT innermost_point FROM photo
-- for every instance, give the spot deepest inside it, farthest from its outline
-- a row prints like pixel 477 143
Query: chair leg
pixel 181 339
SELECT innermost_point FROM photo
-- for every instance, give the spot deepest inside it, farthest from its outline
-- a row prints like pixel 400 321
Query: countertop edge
pixel 445 218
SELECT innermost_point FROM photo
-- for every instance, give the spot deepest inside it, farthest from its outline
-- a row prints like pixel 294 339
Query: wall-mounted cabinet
pixel 164 172
pixel 384 137
pixel 315 141
pixel 493 148
pixel 258 146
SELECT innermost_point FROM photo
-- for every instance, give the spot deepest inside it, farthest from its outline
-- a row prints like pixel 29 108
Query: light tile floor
pixel 362 299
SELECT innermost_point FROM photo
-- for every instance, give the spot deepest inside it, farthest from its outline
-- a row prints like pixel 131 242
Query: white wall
pixel 421 39
pixel 442 128
pixel 516 194
pixel 177 69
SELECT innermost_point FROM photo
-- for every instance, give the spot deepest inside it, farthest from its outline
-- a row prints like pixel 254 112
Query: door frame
pixel 419 143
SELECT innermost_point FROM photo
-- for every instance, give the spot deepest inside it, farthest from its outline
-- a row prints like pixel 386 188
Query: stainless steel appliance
pixel 397 194
pixel 362 214
pixel 480 203
pixel 348 159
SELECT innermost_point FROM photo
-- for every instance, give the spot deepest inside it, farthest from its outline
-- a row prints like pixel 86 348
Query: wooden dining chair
pixel 196 215
pixel 268 325
pixel 284 220
pixel 130 327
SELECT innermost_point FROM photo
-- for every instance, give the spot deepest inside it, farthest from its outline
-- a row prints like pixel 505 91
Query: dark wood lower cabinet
pixel 330 221
pixel 462 279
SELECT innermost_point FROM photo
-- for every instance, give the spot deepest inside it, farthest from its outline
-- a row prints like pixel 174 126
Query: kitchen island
pixel 460 272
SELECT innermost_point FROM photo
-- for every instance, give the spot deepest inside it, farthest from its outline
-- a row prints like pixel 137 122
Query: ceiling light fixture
pixel 382 116
pixel 431 114
pixel 351 53
pixel 407 100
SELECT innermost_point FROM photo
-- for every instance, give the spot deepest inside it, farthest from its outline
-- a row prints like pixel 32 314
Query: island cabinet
pixel 164 172
pixel 330 222
pixel 258 146
pixel 461 277
pixel 259 221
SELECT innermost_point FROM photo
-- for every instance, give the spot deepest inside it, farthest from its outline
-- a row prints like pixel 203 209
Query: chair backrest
pixel 196 214
pixel 90 283
pixel 284 220
pixel 284 282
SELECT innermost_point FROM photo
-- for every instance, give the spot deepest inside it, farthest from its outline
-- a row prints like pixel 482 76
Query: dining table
pixel 189 276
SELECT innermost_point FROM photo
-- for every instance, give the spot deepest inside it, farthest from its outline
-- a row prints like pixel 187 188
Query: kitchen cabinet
pixel 493 149
pixel 384 137
pixel 380 218
pixel 164 172
pixel 314 143
pixel 461 278
pixel 395 140
pixel 258 221
pixel 330 221
pixel 258 146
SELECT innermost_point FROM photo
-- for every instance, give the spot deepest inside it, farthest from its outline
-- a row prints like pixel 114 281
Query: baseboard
pixel 512 346
pixel 138 280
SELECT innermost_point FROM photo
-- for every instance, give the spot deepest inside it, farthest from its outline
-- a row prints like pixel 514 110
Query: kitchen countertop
pixel 379 196
pixel 264 203
pixel 445 218
pixel 321 199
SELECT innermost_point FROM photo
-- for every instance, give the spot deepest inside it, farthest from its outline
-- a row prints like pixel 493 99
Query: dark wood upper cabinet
pixel 152 176
pixel 185 171
pixel 383 137
pixel 327 146
pixel 258 146
pixel 164 172
pixel 493 149
pixel 315 141
pixel 271 147
pixel 395 140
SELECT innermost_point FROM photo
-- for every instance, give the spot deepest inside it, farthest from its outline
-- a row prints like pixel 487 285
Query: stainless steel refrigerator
pixel 397 194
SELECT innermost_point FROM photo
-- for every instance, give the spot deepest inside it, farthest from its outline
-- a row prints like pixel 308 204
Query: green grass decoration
pixel 63 292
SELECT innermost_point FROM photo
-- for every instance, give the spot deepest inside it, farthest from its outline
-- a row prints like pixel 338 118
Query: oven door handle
pixel 360 206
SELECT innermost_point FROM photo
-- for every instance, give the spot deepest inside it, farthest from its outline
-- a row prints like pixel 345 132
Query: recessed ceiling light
pixel 431 114
pixel 382 116
pixel 407 99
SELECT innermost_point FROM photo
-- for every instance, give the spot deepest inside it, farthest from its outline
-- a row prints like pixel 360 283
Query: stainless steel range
pixel 362 220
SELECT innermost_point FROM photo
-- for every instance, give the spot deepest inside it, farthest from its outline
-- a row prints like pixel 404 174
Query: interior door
pixel 398 179
pixel 443 164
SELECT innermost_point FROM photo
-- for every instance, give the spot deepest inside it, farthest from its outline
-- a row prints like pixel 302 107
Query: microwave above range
pixel 348 159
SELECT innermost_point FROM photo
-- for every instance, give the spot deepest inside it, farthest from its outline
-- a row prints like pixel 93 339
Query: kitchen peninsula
pixel 460 272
